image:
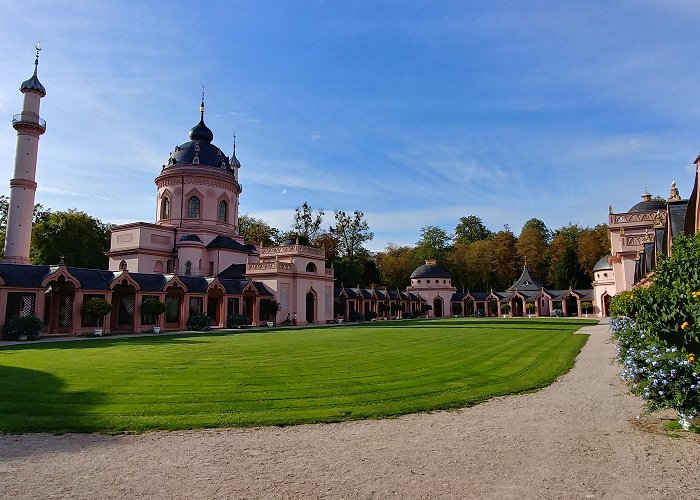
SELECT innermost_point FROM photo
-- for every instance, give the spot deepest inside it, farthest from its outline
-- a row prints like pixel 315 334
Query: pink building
pixel 191 258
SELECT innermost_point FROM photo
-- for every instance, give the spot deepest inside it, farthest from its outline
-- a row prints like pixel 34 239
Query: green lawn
pixel 278 377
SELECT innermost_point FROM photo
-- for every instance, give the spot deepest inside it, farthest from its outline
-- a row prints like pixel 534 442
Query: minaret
pixel 29 127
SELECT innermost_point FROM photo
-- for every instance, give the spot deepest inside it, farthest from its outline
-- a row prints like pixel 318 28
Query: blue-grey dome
pixel 33 84
pixel 202 153
pixel 647 204
pixel 430 270
pixel 602 264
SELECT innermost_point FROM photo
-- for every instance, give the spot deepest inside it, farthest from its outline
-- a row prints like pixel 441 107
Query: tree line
pixel 476 257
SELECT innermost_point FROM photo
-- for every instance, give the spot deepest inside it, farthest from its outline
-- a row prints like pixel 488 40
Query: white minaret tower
pixel 29 127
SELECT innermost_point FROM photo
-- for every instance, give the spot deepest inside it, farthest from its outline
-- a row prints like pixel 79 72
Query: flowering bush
pixel 657 330
pixel 665 377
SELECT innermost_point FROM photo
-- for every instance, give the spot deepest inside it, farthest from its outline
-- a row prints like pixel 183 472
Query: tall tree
pixel 256 230
pixel 75 235
pixel 307 221
pixel 352 231
pixel 470 229
pixel 533 247
pixel 395 266
pixel 564 237
pixel 433 244
pixel 506 263
pixel 592 245
pixel 568 271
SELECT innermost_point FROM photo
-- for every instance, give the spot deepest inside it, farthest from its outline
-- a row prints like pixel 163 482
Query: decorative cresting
pixel 297 249
pixel 628 218
pixel 29 126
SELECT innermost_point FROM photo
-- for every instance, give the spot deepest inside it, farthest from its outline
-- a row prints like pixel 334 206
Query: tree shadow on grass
pixel 187 339
pixel 36 401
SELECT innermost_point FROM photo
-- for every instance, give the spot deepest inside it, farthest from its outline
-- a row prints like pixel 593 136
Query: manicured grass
pixel 278 377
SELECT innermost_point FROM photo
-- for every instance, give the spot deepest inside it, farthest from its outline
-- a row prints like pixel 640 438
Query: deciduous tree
pixel 307 221
pixel 256 230
pixel 81 239
pixel 470 229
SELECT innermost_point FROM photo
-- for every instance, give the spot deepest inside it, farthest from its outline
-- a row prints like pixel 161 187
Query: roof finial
pixel 36 59
pixel 234 143
pixel 201 106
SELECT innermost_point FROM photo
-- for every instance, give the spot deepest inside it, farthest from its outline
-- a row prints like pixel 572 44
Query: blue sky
pixel 417 113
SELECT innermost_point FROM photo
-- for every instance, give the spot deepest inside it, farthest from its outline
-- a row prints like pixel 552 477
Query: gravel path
pixel 575 439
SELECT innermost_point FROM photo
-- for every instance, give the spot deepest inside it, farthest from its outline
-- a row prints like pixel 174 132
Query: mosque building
pixel 192 258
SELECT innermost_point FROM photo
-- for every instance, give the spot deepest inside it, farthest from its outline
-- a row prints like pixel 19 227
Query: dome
pixel 430 270
pixel 200 150
pixel 234 161
pixel 648 205
pixel 33 84
pixel 201 132
pixel 602 264
pixel 191 237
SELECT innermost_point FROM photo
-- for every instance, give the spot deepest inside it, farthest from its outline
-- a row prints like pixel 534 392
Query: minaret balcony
pixel 28 120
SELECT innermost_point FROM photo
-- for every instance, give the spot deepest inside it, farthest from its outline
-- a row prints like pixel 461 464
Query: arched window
pixel 165 208
pixel 193 208
pixel 310 267
pixel 158 267
pixel 222 211
pixel 188 268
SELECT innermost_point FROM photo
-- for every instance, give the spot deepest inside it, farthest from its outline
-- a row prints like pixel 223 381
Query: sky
pixel 415 112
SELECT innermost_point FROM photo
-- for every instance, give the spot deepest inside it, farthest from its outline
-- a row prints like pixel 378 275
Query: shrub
pixel 586 307
pixel 556 313
pixel 370 315
pixel 236 320
pixel 457 308
pixel 530 307
pixel 24 325
pixel 622 304
pixel 664 376
pixel 198 322
pixel 657 330
pixel 407 315
pixel 356 316
pixel 505 308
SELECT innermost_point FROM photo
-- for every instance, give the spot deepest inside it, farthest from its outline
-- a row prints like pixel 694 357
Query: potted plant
pixel 470 307
pixel 586 307
pixel 456 309
pixel 530 308
pixel 99 308
pixel 268 310
pixel 383 308
pixel 153 308
pixel 505 309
